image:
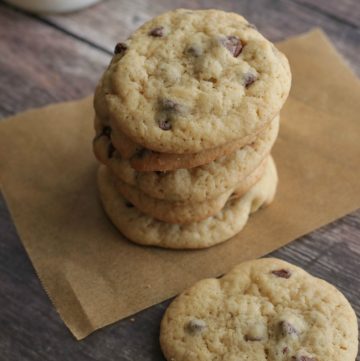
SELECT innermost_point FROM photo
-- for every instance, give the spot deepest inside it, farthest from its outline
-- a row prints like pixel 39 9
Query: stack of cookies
pixel 186 116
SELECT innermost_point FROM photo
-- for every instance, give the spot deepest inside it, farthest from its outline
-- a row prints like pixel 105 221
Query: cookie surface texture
pixel 262 310
pixel 186 212
pixel 195 184
pixel 143 229
pixel 206 78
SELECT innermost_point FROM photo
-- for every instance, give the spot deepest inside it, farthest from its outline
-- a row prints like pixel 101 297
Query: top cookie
pixel 192 80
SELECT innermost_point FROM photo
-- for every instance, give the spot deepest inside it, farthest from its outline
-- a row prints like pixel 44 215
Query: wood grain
pixel 275 19
pixel 58 58
pixel 347 11
pixel 39 65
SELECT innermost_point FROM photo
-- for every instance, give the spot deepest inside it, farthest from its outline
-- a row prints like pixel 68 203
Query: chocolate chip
pixel 283 273
pixel 110 150
pixel 287 328
pixel 120 48
pixel 195 326
pixel 285 350
pixel 168 104
pixel 233 44
pixel 165 124
pixel 252 338
pixel 160 173
pixel 128 204
pixel 249 78
pixel 157 32
pixel 168 108
pixel 303 358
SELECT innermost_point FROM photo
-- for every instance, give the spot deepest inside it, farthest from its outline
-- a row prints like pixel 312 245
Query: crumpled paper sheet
pixel 93 275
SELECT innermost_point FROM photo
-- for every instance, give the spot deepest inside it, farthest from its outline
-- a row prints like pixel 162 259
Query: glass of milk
pixel 52 6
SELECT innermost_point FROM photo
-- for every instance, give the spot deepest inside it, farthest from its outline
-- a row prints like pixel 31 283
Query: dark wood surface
pixel 53 58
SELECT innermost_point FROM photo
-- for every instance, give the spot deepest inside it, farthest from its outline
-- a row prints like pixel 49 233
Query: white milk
pixel 51 6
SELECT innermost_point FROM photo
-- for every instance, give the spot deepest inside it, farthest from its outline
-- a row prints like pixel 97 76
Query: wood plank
pixel 276 19
pixel 346 10
pixel 40 65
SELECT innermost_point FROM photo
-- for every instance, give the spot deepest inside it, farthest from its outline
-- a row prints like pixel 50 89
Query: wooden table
pixel 48 59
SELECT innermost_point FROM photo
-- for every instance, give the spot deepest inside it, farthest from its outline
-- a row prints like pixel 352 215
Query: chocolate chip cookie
pixel 143 229
pixel 186 212
pixel 264 309
pixel 205 79
pixel 195 184
pixel 145 160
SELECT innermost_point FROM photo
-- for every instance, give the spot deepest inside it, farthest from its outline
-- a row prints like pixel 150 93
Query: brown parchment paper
pixel 93 275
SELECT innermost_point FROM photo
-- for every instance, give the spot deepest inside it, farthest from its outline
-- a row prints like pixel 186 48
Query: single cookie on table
pixel 143 229
pixel 264 309
pixel 196 184
pixel 188 81
pixel 185 212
